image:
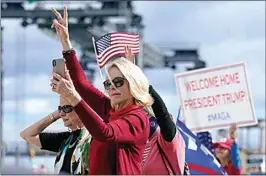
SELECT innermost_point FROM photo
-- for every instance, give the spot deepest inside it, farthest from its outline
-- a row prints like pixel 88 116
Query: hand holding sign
pixel 232 131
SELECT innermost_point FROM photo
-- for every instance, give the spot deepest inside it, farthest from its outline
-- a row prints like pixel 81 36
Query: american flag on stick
pixel 113 45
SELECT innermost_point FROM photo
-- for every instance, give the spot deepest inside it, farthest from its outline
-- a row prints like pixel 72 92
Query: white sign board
pixel 216 97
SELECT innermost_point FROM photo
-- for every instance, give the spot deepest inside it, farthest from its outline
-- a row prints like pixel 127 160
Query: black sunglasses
pixel 118 82
pixel 66 108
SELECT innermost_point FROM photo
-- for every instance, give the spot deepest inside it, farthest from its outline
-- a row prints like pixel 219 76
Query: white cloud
pixel 232 18
pixel 36 106
pixel 30 106
pixel 202 22
pixel 12 129
pixel 25 50
pixel 26 85
pixel 161 79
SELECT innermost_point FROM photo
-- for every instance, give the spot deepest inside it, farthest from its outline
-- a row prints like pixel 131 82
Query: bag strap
pixel 165 160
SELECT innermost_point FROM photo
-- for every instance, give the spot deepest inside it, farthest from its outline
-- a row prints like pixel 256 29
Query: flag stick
pixel 93 42
pixel 179 110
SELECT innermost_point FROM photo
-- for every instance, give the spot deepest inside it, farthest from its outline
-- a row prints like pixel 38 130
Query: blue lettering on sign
pixel 219 116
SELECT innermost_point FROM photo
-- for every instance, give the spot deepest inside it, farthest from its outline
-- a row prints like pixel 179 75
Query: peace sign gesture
pixel 63 21
pixel 61 27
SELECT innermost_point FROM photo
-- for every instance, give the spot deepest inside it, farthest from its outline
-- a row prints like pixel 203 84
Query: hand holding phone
pixel 59 67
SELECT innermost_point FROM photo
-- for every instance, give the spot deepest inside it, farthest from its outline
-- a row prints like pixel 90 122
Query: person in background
pixel 3 150
pixel 32 160
pixel 228 154
pixel 71 146
pixel 118 122
pixel 165 150
pixel 43 169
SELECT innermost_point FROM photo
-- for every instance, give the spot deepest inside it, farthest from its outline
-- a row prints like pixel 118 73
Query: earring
pixel 69 130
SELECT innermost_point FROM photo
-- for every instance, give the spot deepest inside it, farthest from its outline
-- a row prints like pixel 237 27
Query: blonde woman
pixel 71 147
pixel 118 124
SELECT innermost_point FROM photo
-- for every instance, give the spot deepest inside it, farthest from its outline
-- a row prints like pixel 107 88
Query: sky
pixel 225 33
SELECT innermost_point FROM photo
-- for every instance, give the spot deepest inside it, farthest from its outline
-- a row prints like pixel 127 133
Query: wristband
pixel 68 51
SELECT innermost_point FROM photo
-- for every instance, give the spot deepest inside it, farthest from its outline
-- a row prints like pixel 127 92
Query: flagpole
pixel 179 110
pixel 93 42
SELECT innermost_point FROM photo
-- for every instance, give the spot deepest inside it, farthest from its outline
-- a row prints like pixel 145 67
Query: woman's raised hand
pixel 61 26
pixel 232 131
pixel 63 21
pixel 129 54
pixel 65 88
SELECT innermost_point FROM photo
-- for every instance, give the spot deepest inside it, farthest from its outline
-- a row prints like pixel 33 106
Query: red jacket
pixel 118 142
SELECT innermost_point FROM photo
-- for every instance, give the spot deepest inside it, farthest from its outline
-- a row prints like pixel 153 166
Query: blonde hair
pixel 138 82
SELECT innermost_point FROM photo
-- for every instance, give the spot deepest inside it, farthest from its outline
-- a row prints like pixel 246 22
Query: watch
pixel 52 118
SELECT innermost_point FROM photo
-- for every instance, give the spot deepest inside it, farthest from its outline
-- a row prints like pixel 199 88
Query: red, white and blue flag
pixel 199 159
pixel 113 45
pixel 205 138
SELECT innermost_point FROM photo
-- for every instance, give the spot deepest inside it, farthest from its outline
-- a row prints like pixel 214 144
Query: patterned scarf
pixel 79 161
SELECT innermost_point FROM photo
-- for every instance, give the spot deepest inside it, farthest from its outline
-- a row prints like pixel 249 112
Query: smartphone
pixel 59 67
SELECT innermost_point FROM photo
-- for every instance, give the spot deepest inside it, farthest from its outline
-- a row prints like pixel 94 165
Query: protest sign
pixel 216 97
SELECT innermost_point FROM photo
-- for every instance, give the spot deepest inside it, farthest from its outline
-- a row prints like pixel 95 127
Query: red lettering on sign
pixel 234 97
pixel 212 82
pixel 203 83
pixel 214 100
pixel 228 79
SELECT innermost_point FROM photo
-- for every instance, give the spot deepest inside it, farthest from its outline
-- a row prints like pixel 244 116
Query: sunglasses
pixel 118 82
pixel 65 109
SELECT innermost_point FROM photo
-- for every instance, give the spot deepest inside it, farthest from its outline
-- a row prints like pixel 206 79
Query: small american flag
pixel 113 45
